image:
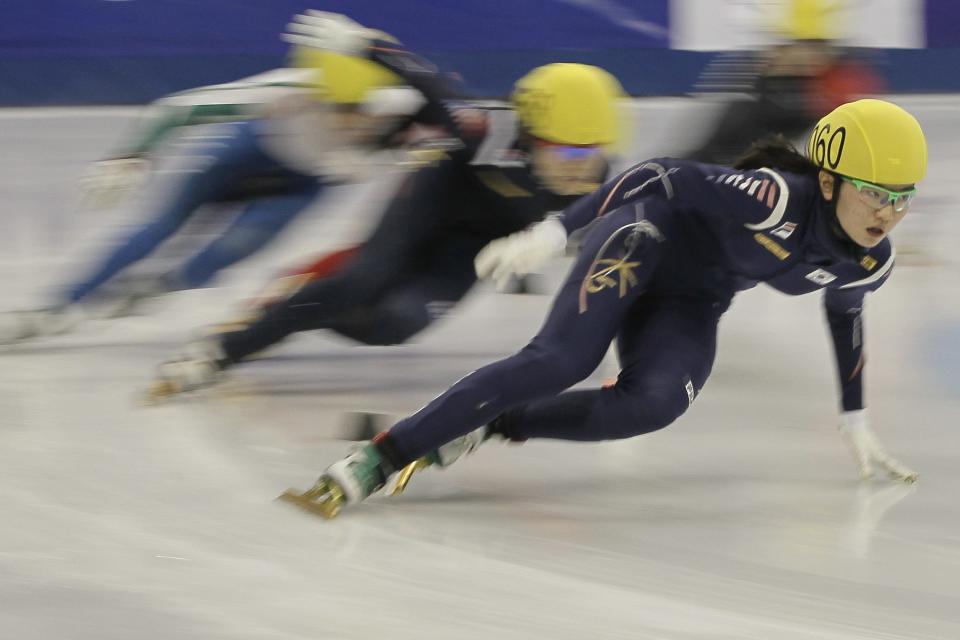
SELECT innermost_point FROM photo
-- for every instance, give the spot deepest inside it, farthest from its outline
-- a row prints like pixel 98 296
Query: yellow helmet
pixel 871 140
pixel 301 57
pixel 343 79
pixel 809 20
pixel 569 103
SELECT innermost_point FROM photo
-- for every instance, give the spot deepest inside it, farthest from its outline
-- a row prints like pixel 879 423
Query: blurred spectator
pixel 790 85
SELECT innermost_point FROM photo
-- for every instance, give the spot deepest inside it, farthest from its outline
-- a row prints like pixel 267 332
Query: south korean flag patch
pixel 820 277
pixel 785 230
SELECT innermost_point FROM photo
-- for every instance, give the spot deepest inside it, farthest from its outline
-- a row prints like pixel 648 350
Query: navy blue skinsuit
pixel 671 242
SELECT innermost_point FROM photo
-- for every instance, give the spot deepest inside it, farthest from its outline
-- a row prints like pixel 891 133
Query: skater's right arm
pixel 107 181
pixel 239 100
pixel 163 117
pixel 338 33
pixel 756 199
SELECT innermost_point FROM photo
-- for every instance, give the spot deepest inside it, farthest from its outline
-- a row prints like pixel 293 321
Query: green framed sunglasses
pixel 878 197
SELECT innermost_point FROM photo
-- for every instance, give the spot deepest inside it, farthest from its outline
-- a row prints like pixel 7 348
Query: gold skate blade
pixel 159 392
pixel 324 499
pixel 403 478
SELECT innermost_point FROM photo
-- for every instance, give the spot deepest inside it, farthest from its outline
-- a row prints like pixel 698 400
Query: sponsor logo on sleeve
pixel 772 246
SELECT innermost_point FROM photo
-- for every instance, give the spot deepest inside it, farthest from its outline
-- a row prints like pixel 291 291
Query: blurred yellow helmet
pixel 343 79
pixel 871 140
pixel 569 103
pixel 301 57
pixel 809 20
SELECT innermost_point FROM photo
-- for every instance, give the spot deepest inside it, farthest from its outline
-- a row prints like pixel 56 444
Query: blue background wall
pixel 132 51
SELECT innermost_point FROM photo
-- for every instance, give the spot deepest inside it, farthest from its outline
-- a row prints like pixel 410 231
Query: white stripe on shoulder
pixel 879 274
pixel 777 214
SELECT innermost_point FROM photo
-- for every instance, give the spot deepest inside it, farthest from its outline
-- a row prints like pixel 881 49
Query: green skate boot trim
pixel 325 498
pixel 360 474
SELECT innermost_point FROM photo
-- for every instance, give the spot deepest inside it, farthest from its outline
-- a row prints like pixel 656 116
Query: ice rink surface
pixel 742 521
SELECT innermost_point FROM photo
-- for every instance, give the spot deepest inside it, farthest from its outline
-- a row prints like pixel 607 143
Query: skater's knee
pixel 393 322
pixel 650 409
pixel 397 332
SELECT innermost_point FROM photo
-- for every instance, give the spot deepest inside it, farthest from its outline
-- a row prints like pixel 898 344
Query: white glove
pixel 866 449
pixel 521 252
pixel 329 31
pixel 106 182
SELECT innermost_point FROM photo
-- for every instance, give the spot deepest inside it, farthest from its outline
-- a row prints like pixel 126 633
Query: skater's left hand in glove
pixel 522 252
pixel 331 32
pixel 867 450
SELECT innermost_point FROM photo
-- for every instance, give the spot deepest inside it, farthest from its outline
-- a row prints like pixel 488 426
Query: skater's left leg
pixel 445 276
pixel 403 310
pixel 378 315
pixel 666 351
pixel 396 248
pixel 256 226
pixel 386 316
